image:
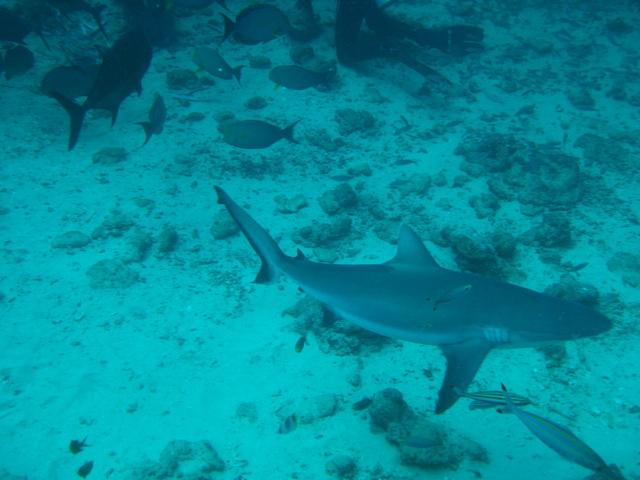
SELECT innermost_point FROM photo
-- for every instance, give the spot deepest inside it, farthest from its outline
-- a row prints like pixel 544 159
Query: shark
pixel 412 298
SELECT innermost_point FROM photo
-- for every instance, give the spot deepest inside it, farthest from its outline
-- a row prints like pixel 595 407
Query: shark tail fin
pixel 76 115
pixel 263 244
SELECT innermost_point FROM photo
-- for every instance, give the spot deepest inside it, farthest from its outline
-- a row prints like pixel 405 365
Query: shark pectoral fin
pixel 463 361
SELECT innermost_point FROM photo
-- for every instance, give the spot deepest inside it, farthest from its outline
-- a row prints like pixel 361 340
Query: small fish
pixel 493 399
pixel 362 404
pixel 157 116
pixel 256 24
pixel 558 438
pixel 300 344
pixel 76 446
pixel 18 60
pixel 288 424
pixel 449 295
pixel 571 267
pixel 254 133
pixel 295 77
pixel 71 81
pixel 212 62
pixel 85 469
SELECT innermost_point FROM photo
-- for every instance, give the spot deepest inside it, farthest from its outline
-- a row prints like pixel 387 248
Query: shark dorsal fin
pixel 411 250
pixel 300 255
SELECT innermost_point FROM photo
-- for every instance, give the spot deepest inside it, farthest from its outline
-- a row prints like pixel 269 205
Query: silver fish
pixel 558 438
pixel 493 399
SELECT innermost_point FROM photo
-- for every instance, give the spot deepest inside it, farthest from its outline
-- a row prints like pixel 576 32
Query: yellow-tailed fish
pixel 300 343
pixel 559 438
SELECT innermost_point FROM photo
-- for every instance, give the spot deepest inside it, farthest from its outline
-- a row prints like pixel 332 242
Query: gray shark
pixel 412 298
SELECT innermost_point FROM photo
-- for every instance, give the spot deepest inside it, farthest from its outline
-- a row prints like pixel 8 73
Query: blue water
pixel 142 329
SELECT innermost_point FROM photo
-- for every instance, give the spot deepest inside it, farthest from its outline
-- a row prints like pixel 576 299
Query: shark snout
pixel 587 322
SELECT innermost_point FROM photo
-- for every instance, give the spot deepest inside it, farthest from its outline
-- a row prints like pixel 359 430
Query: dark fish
pixel 300 344
pixel 361 404
pixel 570 267
pixel 255 133
pixel 212 62
pixel 295 77
pixel 157 116
pixel 119 75
pixel 76 446
pixel 288 424
pixel 13 28
pixel 85 469
pixel 558 438
pixel 71 81
pixel 256 24
pixel 17 60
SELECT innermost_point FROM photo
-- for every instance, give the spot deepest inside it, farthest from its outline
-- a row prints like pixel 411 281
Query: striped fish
pixel 559 438
pixel 493 399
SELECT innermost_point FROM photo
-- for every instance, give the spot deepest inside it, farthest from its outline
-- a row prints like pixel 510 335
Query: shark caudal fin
pixel 463 361
pixel 263 244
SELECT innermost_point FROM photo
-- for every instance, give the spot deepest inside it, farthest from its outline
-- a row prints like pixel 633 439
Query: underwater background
pixel 133 341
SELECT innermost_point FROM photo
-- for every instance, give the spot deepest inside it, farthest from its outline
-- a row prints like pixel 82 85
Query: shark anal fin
pixel 463 361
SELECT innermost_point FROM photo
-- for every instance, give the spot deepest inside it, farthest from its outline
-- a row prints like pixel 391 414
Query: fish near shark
pixel 391 299
pixel 157 117
pixel 118 76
